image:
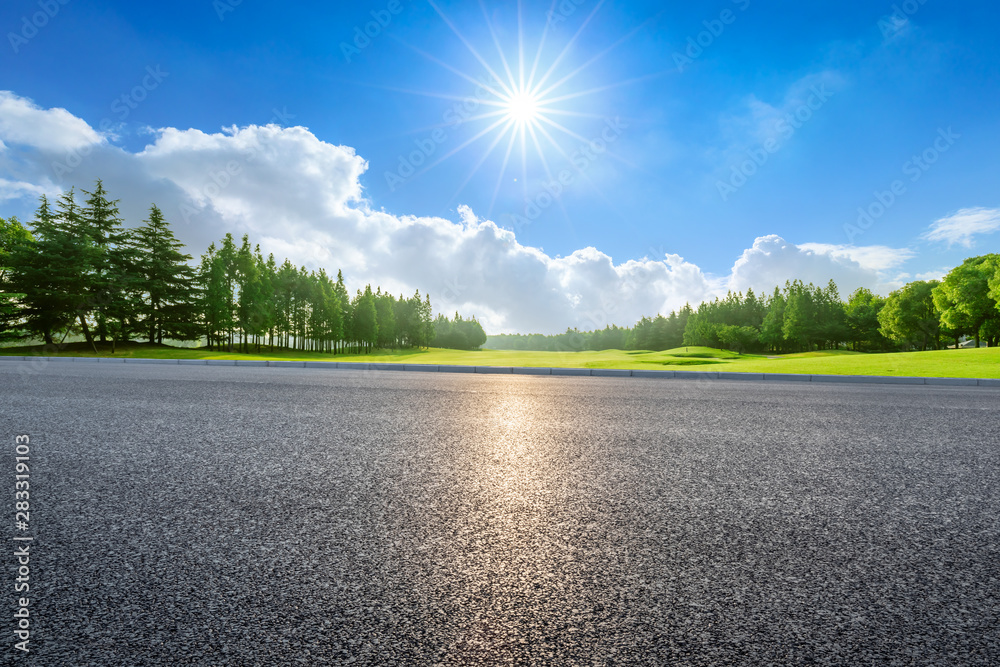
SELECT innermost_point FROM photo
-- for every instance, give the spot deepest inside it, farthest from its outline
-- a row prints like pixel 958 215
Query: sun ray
pixel 610 86
pixel 580 171
pixel 524 164
pixel 471 49
pixel 590 62
pixel 503 170
pixel 486 154
pixel 545 163
pixel 520 46
pixel 464 145
pixel 564 129
pixel 454 70
pixel 582 138
pixel 548 173
pixel 496 42
pixel 541 45
pixel 575 114
pixel 569 45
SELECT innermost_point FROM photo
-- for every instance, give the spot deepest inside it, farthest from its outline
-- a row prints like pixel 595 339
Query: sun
pixel 520 103
pixel 523 107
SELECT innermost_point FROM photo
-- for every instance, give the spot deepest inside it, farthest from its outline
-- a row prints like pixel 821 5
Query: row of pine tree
pixel 78 269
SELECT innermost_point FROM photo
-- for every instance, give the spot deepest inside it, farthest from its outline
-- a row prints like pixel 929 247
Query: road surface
pixel 215 515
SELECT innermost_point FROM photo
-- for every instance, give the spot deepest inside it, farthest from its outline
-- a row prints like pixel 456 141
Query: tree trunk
pixel 86 332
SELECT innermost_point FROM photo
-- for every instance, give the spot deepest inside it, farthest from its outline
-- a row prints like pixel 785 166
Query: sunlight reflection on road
pixel 498 530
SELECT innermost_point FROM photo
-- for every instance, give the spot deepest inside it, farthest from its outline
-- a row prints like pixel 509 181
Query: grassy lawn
pixel 977 363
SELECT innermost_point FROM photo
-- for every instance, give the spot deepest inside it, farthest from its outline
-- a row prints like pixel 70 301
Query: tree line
pixel 77 269
pixel 924 314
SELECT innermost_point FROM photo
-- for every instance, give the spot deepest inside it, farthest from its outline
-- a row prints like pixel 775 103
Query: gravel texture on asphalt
pixel 272 516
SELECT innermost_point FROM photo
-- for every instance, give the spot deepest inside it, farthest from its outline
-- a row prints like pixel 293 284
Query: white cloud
pixel 18 189
pixel 873 257
pixel 23 122
pixel 772 260
pixel 300 197
pixel 961 226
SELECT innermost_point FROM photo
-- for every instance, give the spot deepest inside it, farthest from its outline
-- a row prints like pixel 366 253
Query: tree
pixel 386 316
pixel 365 319
pixel 739 338
pixel 216 299
pixel 346 312
pixel 910 317
pixel 169 300
pixel 773 326
pixel 458 334
pixel 862 311
pixel 964 296
pixel 100 220
pixel 799 326
pixel 12 235
pixel 54 271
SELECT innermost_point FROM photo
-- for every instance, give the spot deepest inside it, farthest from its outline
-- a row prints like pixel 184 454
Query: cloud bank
pixel 302 198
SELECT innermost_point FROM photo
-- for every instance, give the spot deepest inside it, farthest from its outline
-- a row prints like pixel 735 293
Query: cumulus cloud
pixel 23 122
pixel 772 260
pixel 302 198
pixel 962 226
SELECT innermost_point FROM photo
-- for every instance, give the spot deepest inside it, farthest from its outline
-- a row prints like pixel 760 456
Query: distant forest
pixel 924 314
pixel 78 270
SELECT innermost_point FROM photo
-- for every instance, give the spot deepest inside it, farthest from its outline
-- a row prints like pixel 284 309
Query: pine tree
pixel 100 220
pixel 169 301
pixel 346 311
pixel 365 319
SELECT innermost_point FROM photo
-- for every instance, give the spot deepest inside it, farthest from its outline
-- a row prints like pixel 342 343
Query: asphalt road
pixel 213 515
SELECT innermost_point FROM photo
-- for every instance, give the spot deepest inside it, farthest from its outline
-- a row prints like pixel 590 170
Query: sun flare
pixel 523 107
pixel 528 106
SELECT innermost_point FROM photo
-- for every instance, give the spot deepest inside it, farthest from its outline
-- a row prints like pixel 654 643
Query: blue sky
pixel 703 146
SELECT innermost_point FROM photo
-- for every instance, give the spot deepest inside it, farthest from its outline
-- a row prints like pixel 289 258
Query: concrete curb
pixel 531 370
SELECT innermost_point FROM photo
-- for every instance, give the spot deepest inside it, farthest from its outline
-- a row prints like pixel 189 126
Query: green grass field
pixel 966 363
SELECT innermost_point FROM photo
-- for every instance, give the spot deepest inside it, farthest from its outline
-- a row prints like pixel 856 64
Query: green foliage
pixel 966 301
pixel 365 318
pixel 862 313
pixel 910 318
pixel 12 235
pixel 458 334
pixel 166 300
pixel 79 268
